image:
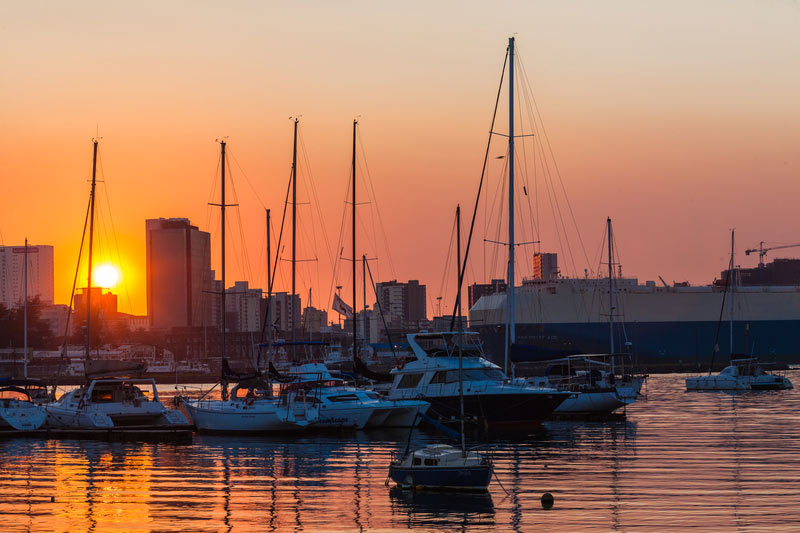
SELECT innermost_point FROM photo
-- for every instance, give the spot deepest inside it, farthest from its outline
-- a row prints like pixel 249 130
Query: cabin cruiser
pixel 252 408
pixel 111 403
pixel 18 411
pixel 341 405
pixel 741 375
pixel 596 380
pixel 433 375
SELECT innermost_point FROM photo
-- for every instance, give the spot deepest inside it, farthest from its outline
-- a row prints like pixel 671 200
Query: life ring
pixel 401 363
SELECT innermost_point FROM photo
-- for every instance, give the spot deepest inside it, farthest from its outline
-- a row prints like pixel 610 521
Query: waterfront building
pixel 285 311
pixel 242 307
pixel 179 273
pixel 314 320
pixel 403 304
pixel 12 274
pixel 478 290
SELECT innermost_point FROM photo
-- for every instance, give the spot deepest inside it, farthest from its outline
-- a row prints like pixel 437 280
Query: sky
pixel 679 120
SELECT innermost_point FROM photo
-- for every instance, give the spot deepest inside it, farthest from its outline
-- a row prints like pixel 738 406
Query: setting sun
pixel 106 276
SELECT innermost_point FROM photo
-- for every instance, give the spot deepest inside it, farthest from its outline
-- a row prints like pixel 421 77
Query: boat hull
pixel 217 416
pixel 461 478
pixel 22 416
pixel 499 409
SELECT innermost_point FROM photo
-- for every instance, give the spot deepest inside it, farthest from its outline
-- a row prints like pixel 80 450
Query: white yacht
pixel 741 375
pixel 252 408
pixel 599 387
pixel 341 405
pixel 17 409
pixel 433 375
pixel 111 403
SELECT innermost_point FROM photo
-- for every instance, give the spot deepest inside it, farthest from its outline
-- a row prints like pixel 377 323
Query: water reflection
pixel 680 460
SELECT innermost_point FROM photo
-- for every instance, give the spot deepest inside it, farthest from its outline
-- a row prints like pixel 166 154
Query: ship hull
pixel 669 344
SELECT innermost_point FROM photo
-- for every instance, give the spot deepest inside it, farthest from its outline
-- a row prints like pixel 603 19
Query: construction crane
pixel 762 252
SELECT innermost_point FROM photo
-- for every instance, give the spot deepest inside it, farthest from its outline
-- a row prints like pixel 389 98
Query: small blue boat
pixel 442 467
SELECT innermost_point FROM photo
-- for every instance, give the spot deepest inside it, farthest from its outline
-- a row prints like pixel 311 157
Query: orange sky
pixel 677 120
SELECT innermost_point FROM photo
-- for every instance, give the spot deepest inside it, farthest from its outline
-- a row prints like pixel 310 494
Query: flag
pixel 342 308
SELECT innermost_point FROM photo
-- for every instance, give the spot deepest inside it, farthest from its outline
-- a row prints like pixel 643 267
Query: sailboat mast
pixel 25 315
pixel 610 288
pixel 460 329
pixel 511 326
pixel 222 216
pixel 269 281
pixel 355 322
pixel 364 277
pixel 294 233
pixel 732 284
pixel 91 242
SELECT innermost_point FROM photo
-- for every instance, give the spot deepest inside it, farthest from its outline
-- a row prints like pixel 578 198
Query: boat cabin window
pixel 468 374
pixel 431 462
pixel 416 461
pixel 344 398
pixel 409 381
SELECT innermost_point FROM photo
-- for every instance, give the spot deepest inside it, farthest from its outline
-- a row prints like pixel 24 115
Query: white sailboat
pixel 106 401
pixel 251 406
pixel 18 411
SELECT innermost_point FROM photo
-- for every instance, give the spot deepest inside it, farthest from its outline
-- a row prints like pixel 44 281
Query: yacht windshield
pixel 446 345
pixel 469 374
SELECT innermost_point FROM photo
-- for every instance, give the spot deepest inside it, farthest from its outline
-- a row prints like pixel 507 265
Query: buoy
pixel 547 500
pixel 52 499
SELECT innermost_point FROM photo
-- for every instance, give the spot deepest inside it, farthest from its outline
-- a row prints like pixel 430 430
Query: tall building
pixel 477 290
pixel 403 305
pixel 285 311
pixel 12 274
pixel 545 267
pixel 178 273
pixel 314 319
pixel 242 305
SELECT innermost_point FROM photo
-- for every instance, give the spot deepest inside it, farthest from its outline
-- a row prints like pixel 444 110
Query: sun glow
pixel 106 276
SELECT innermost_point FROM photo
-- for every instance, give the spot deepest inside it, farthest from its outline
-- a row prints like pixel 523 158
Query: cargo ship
pixel 662 326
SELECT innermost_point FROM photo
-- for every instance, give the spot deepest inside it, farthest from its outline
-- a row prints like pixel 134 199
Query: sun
pixel 106 276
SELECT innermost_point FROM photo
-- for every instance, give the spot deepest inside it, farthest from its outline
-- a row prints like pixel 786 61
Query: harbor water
pixel 679 460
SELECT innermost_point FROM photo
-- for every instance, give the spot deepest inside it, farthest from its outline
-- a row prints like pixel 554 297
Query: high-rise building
pixel 178 273
pixel 477 290
pixel 314 319
pixel 545 267
pixel 284 311
pixel 242 304
pixel 403 305
pixel 12 274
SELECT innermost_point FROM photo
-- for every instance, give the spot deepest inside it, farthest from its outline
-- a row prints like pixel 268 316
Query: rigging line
pixel 280 233
pixel 380 311
pixel 317 203
pixel 555 164
pixel 243 257
pixel 229 152
pixel 340 241
pixel 533 217
pixel 377 207
pixel 480 185
pixel 211 196
pixel 75 280
pixel 728 285
pixel 116 244
pixel 443 284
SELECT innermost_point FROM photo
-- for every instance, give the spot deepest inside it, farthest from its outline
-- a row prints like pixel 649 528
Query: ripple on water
pixel 680 460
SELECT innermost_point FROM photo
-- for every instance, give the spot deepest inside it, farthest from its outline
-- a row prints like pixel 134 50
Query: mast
pixel 732 284
pixel 294 233
pixel 610 288
pixel 269 282
pixel 611 294
pixel 510 323
pixel 91 242
pixel 364 277
pixel 222 210
pixel 25 315
pixel 460 329
pixel 355 322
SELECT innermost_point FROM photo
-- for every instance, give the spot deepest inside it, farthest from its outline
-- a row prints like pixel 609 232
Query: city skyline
pixel 677 135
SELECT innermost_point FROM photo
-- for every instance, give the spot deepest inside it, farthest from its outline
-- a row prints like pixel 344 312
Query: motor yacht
pixel 433 375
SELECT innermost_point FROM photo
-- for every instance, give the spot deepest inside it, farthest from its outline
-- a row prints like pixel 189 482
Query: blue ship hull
pixel 469 478
pixel 656 344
